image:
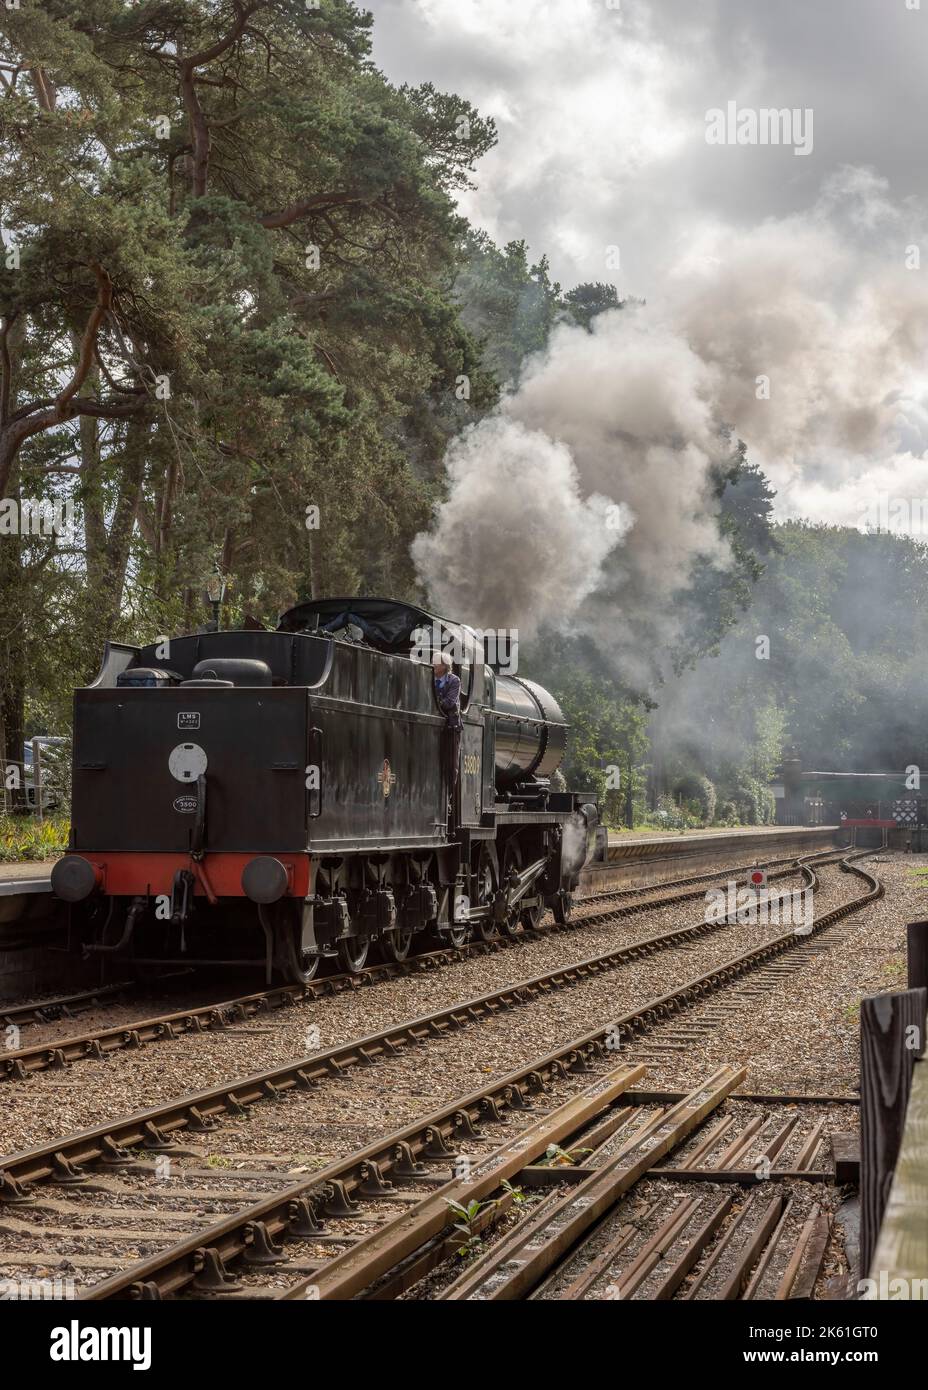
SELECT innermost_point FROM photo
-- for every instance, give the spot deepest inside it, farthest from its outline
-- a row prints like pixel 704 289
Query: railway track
pixel 689 1226
pixel 67 1005
pixel 96 1163
pixel 20 1063
pixel 385 1251
pixel 62 1005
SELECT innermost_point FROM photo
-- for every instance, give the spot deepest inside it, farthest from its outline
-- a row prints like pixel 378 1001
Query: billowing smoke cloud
pixel 515 496
pixel 592 479
pixel 806 335
pixel 634 404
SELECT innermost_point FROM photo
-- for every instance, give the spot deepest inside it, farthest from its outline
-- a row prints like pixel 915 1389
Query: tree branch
pixel 216 50
pixel 147 528
pixel 199 129
pixel 318 202
pixel 89 342
pixel 125 390
pixel 108 410
pixel 44 89
pixel 7 364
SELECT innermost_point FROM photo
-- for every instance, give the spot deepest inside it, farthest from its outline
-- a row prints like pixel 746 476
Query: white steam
pixel 832 308
pixel 514 497
pixel 806 335
pixel 590 480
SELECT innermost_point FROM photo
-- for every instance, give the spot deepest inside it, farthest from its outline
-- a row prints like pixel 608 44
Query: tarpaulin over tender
pixel 386 624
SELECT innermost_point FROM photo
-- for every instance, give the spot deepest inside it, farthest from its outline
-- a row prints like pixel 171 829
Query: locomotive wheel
pixel 395 945
pixel 486 929
pixel 562 908
pixel 530 917
pixel 352 954
pixel 512 859
pixel 297 966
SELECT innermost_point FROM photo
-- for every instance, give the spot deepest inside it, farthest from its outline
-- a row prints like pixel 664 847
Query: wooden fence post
pixel 917 954
pixel 892 1036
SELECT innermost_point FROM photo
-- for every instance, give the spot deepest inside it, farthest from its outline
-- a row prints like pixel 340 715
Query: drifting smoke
pixel 805 335
pixel 590 479
pixel 514 495
pixel 575 844
pixel 831 308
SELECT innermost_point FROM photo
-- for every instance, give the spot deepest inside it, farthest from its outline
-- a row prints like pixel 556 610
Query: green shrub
pixel 28 838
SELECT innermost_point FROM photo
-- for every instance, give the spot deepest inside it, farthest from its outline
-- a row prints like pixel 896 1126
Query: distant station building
pixel 878 807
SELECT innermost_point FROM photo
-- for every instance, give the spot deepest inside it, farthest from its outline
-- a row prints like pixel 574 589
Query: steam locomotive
pixel 280 797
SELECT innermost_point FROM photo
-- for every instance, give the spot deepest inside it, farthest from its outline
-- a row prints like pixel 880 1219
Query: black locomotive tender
pixel 299 782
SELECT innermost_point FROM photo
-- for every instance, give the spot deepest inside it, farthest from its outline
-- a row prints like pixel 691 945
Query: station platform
pixel 23 887
pixel 624 837
pixel 636 857
pixel 30 869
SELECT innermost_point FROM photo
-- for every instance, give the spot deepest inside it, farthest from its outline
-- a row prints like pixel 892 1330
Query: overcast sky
pixel 602 119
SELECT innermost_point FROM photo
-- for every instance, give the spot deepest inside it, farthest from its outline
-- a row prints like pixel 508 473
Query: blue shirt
pixel 448 691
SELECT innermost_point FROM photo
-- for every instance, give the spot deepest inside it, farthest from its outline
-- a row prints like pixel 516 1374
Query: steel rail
pixel 149 1127
pixel 62 1005
pixel 510 1269
pixel 22 1062
pixel 297 1210
pixel 178 1266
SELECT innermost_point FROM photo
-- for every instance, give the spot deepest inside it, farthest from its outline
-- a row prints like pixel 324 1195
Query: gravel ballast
pixel 800 1037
